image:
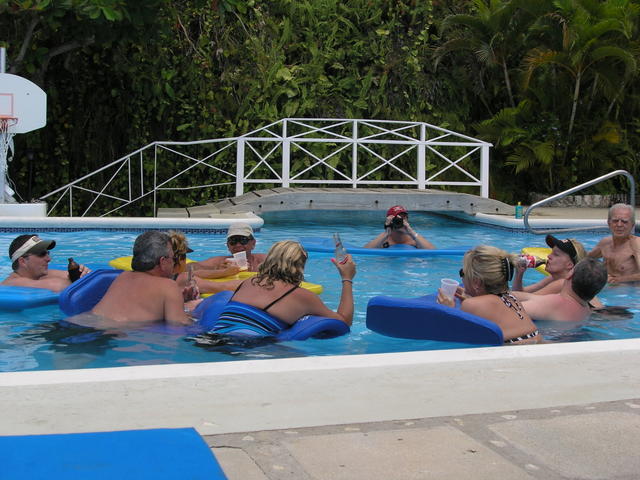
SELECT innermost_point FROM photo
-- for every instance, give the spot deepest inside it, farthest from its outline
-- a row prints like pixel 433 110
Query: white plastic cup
pixel 241 260
pixel 448 286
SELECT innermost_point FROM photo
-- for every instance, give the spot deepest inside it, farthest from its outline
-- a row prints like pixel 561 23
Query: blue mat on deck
pixel 159 454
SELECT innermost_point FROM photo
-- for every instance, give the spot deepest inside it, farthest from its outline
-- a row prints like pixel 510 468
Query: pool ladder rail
pixel 632 201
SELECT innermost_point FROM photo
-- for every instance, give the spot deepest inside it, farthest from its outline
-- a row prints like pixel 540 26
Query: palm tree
pixel 586 40
pixel 494 35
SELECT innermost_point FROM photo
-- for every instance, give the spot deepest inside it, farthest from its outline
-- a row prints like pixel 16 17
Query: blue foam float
pixel 14 298
pixel 84 294
pixel 423 318
pixel 326 245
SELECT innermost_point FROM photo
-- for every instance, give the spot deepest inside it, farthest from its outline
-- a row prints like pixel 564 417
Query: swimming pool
pixel 34 340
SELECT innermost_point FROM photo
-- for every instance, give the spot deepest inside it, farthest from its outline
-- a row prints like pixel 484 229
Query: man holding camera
pixel 397 231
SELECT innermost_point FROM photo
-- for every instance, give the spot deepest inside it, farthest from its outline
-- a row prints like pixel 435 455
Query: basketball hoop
pixel 5 135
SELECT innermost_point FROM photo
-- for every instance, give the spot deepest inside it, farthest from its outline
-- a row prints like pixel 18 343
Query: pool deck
pixel 552 411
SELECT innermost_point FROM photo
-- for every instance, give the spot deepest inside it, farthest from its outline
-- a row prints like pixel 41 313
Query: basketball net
pixel 5 136
pixel 5 139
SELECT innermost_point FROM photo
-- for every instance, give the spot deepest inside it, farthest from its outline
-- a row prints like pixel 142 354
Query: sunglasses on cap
pixel 241 239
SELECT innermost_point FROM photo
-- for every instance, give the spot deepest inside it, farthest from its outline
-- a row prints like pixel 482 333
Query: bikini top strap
pixel 511 302
pixel 236 290
pixel 279 298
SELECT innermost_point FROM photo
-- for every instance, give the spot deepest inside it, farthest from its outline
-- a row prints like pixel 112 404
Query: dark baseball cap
pixel 566 246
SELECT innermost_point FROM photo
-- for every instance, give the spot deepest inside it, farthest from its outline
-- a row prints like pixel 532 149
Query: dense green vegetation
pixel 553 84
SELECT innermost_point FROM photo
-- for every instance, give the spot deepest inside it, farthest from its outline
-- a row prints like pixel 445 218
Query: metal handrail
pixel 632 201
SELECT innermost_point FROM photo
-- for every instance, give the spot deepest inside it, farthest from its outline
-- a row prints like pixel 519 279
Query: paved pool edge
pixel 304 392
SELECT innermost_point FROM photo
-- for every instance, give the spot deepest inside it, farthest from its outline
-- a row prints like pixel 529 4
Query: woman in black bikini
pixel 486 273
pixel 274 289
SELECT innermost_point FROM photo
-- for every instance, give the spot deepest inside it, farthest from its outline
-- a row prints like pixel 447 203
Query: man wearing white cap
pixel 30 259
pixel 239 239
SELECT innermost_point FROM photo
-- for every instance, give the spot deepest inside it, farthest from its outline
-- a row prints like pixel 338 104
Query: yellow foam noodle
pixel 540 252
pixel 312 287
pixel 124 263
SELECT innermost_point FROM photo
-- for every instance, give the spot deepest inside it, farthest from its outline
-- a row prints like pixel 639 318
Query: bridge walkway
pixel 281 198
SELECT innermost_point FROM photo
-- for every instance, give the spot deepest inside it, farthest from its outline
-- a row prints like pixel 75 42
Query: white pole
pixel 3 155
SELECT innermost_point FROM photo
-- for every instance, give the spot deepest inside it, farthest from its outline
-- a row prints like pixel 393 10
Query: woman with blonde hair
pixel 273 299
pixel 486 273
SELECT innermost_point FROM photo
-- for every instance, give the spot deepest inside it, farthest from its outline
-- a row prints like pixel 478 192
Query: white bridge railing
pixel 289 152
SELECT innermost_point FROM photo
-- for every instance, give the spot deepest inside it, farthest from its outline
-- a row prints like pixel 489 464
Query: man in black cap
pixel 30 259
pixel 565 254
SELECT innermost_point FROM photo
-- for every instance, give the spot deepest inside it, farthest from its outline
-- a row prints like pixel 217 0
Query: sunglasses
pixel 238 239
pixel 41 254
pixel 461 273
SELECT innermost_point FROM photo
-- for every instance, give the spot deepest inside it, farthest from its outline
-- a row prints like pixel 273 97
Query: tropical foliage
pixel 552 84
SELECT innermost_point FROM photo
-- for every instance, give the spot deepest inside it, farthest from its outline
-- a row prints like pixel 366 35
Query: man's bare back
pixel 139 298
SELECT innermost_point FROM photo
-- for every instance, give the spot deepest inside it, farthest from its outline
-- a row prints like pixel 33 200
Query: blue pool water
pixel 34 340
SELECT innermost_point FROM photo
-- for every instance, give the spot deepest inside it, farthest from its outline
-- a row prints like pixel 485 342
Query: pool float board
pixel 14 298
pixel 84 294
pixel 124 263
pixel 326 245
pixel 540 252
pixel 423 318
pixel 20 298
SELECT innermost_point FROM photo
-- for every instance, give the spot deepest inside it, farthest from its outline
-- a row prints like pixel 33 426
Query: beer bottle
pixel 73 269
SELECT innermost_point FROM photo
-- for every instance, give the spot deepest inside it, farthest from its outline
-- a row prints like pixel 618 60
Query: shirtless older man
pixel 30 259
pixel 621 250
pixel 239 239
pixel 147 294
pixel 588 277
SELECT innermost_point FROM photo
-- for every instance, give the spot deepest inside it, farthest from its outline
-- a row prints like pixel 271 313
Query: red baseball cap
pixel 397 210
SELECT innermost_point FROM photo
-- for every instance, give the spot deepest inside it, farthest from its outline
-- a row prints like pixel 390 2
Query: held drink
pixel 74 270
pixel 341 252
pixel 530 261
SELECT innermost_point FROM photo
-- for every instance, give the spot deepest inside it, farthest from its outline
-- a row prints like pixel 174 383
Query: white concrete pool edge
pixel 255 395
pixel 34 223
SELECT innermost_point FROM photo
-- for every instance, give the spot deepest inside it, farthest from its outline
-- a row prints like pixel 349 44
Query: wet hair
pixel 179 242
pixel 492 266
pixel 620 206
pixel 285 262
pixel 15 245
pixel 589 277
pixel 148 248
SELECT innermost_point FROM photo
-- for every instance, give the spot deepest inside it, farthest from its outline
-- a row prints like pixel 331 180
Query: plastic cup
pixel 448 286
pixel 241 260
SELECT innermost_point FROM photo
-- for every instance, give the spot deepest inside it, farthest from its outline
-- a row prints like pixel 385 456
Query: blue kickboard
pixel 159 454
pixel 19 298
pixel 326 245
pixel 13 299
pixel 423 318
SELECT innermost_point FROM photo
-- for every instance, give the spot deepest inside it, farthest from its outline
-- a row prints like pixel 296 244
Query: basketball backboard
pixel 23 100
